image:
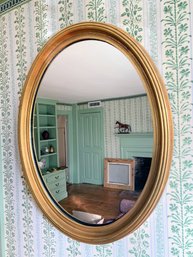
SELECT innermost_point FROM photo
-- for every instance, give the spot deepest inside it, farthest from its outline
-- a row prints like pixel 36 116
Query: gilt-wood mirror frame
pixel 162 127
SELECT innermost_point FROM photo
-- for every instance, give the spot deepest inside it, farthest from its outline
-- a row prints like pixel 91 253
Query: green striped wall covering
pixel 134 111
pixel 164 28
pixel 62 107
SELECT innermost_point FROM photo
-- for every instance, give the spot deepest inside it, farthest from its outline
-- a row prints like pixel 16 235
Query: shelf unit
pixel 45 119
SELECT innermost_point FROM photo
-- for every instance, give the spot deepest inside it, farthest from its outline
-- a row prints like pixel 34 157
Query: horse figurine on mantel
pixel 123 128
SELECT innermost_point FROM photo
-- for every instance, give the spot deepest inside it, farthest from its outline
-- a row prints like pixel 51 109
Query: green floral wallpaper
pixel 177 63
pixel 164 27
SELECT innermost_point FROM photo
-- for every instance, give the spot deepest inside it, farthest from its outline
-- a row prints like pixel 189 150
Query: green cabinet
pixel 56 183
pixel 45 137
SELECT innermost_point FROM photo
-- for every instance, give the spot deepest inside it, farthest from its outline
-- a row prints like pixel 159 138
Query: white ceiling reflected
pixel 90 70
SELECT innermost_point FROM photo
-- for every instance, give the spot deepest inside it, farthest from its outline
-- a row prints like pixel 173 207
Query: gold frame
pixel 130 162
pixel 162 124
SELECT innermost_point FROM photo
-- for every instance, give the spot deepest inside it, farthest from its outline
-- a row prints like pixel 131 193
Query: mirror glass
pixel 92 132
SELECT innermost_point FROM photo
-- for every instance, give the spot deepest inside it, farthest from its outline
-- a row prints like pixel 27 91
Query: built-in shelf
pixel 47 127
pixel 46 155
pixel 47 115
pixel 47 149
pixel 47 140
pixel 46 120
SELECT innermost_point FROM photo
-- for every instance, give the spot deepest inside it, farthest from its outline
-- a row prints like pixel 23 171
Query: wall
pixel 164 28
pixel 134 111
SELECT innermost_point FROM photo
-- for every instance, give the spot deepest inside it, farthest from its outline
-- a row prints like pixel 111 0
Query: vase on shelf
pixel 45 135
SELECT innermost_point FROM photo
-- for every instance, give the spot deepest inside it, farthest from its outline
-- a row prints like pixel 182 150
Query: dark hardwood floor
pixel 96 199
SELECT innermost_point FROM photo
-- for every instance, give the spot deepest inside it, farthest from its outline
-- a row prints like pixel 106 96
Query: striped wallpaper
pixel 133 111
pixel 164 28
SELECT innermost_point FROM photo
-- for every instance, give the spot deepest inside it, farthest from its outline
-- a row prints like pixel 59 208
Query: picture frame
pixel 119 173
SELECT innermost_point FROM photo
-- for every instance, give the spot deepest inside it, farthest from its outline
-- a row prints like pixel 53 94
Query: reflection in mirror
pixel 92 132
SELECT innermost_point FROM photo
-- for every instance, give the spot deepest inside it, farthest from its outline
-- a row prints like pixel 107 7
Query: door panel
pixel 90 127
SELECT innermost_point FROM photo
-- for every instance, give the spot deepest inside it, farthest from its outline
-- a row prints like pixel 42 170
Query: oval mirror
pixel 83 143
pixel 97 141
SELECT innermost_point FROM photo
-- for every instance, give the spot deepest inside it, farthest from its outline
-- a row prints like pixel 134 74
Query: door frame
pixel 70 146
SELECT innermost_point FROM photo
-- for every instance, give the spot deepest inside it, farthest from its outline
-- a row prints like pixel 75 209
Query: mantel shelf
pixel 48 154
pixel 136 144
pixel 134 134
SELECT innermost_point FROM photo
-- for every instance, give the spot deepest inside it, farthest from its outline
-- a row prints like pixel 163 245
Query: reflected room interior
pixel 92 132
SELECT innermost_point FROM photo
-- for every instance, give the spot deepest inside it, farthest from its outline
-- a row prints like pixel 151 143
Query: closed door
pixel 91 146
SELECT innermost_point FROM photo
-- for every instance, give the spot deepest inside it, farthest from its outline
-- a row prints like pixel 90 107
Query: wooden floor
pixel 96 199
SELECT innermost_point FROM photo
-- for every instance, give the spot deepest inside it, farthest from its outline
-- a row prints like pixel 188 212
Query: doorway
pixel 62 140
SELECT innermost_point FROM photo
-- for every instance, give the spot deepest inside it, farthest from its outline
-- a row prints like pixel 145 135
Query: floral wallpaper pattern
pixel 132 18
pixel 178 80
pixel 164 28
pixel 6 142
